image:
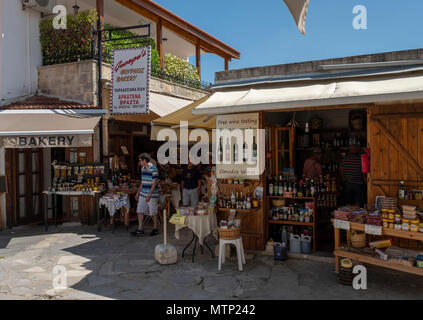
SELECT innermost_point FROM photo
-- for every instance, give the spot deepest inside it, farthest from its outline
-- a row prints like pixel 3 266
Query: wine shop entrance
pixel 316 161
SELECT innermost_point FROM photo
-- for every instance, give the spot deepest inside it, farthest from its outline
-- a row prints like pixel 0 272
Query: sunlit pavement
pixel 107 265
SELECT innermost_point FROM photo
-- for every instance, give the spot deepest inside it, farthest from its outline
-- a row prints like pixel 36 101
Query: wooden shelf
pixel 416 203
pixel 339 253
pixel 293 223
pixel 287 198
pixel 238 210
pixel 391 232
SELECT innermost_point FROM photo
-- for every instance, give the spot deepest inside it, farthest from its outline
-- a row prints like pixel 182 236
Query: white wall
pixel 21 50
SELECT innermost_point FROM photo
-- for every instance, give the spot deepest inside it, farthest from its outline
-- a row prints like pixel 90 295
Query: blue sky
pixel 265 33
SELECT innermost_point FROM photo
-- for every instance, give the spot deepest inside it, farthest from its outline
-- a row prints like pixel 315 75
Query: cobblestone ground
pixel 107 265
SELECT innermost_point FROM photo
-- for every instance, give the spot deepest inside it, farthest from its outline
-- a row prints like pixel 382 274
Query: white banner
pixel 130 80
pixel 227 150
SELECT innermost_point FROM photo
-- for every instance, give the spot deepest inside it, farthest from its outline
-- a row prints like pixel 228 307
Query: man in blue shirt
pixel 147 195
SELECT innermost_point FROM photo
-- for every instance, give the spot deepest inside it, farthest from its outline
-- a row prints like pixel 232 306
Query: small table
pixel 55 194
pixel 201 227
pixel 114 205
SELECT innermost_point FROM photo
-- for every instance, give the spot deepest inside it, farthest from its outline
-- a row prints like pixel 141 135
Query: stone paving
pixel 107 265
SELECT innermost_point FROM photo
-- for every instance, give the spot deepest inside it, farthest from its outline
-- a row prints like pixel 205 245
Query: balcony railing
pixel 84 55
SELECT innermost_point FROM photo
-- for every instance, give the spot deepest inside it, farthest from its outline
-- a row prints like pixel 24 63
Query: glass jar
pixel 385 223
pixel 405 225
pixel 391 224
pixel 414 226
pixel 398 218
pixel 398 226
pixel 421 227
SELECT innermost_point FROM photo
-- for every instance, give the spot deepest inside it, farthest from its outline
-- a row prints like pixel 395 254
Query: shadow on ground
pixel 114 265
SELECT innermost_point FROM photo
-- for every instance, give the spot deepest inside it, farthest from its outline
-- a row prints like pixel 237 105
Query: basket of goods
pixel 229 229
pixel 345 272
pixel 358 239
pixel 316 123
pixel 357 121
pixel 166 187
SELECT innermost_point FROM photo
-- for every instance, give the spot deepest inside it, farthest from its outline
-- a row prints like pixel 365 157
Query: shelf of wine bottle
pixel 295 198
pixel 239 210
pixel 294 223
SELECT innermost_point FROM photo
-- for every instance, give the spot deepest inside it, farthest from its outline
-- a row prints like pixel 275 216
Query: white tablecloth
pixel 202 226
pixel 113 205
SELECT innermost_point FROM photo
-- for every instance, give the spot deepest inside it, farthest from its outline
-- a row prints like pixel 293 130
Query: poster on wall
pixel 130 81
pixel 239 158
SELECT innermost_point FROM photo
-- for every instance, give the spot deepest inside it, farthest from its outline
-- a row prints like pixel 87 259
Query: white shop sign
pixel 371 229
pixel 341 224
pixel 130 81
pixel 53 141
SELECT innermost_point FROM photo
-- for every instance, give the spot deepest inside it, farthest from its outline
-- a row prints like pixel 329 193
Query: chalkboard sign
pixel 3 184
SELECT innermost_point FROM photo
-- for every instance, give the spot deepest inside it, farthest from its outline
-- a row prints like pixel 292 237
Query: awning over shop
pixel 163 105
pixel 174 119
pixel 46 130
pixel 320 93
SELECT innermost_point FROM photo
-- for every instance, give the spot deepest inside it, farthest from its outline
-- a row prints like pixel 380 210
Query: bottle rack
pixel 296 223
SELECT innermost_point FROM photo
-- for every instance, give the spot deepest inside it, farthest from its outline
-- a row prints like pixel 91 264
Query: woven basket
pixel 358 240
pixel 229 234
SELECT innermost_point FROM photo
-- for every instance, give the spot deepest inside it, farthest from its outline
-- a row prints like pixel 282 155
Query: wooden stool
pixel 239 250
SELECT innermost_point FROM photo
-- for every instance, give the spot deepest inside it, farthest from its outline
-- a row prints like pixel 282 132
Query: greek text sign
pixel 48 141
pixel 130 79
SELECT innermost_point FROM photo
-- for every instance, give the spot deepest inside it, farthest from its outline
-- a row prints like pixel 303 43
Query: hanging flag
pixel 298 10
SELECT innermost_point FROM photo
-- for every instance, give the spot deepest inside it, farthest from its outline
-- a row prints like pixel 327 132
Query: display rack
pixel 297 223
pixel 367 259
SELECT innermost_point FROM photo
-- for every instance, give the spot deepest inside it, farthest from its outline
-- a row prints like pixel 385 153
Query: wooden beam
pixel 417 115
pixel 100 11
pixel 403 152
pixel 198 59
pixel 159 42
pixel 396 182
pixel 226 64
pixel 193 34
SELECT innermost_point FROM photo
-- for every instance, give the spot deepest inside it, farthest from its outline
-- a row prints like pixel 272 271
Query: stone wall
pixel 313 66
pixel 78 81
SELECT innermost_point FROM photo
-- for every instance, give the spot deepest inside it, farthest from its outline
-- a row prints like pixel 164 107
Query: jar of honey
pixel 405 224
pixel 414 226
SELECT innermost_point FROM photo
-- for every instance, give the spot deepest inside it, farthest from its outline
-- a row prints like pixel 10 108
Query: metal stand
pixel 195 240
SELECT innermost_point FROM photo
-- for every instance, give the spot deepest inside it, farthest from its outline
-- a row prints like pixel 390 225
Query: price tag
pixel 375 230
pixel 177 220
pixel 341 224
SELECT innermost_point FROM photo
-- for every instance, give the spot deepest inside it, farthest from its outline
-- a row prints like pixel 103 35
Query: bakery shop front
pixel 41 148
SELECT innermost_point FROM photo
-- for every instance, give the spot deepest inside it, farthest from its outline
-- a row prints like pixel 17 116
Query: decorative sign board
pixel 130 81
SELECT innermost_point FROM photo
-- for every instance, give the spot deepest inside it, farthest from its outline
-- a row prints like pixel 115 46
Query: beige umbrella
pixel 298 10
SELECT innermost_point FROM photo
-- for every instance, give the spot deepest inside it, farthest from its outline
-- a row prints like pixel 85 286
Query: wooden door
pixel 25 171
pixel 283 149
pixel 395 139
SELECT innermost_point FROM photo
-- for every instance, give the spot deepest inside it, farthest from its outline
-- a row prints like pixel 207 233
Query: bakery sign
pixel 59 141
pixel 130 81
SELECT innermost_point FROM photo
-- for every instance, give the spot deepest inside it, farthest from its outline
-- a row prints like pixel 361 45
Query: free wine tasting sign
pixel 227 164
pixel 130 81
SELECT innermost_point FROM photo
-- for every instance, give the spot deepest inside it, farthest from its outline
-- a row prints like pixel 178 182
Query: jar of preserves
pixel 391 224
pixel 421 227
pixel 405 224
pixel 414 226
pixel 385 223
